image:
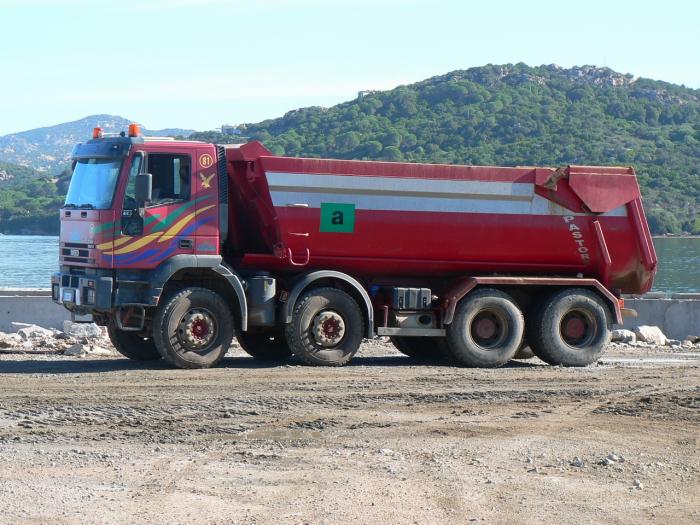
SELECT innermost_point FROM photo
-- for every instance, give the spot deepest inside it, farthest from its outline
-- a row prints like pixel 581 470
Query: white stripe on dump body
pixel 409 194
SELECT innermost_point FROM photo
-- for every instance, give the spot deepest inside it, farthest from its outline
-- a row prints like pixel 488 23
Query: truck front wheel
pixel 193 328
pixel 486 330
pixel 326 328
pixel 132 345
pixel 570 328
pixel 265 346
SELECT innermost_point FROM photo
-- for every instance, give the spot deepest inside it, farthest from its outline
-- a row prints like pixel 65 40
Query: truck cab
pixel 115 242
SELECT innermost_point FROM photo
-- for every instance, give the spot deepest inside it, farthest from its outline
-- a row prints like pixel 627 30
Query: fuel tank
pixel 384 218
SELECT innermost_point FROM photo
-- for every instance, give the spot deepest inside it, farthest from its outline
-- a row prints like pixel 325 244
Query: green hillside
pixel 518 115
pixel 30 200
pixel 493 115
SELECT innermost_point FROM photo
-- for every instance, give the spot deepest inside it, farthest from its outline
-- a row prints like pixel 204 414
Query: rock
pixel 77 350
pixel 9 340
pixel 624 336
pixel 34 332
pixel 82 350
pixel 577 462
pixel 612 459
pixel 638 484
pixel 650 334
pixel 615 458
pixel 673 342
pixel 98 350
pixel 82 329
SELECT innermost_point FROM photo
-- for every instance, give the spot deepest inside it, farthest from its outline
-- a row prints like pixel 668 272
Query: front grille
pixel 75 245
pixel 70 281
pixel 78 260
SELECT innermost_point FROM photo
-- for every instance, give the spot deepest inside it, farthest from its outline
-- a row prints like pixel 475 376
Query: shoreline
pixel 675 236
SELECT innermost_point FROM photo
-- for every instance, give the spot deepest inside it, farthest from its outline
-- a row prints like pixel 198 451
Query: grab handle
pixel 291 258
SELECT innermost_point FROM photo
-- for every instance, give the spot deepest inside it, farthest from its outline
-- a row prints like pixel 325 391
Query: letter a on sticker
pixel 337 217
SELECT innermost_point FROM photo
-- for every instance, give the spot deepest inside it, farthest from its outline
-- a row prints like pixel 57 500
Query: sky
pixel 200 64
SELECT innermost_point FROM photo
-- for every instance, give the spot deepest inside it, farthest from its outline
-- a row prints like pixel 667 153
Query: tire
pixel 570 328
pixel 326 329
pixel 486 330
pixel 265 346
pixel 132 345
pixel 524 351
pixel 193 328
pixel 427 348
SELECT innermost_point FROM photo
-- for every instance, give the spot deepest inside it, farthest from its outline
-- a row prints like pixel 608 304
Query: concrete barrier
pixel 32 307
pixel 678 315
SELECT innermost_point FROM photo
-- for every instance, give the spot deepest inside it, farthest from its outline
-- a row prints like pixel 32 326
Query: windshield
pixel 92 184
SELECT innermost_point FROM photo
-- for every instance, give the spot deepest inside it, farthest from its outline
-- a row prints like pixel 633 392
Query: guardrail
pixel 677 314
pixel 30 306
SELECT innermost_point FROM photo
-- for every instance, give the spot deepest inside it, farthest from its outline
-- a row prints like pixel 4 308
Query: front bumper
pixel 82 294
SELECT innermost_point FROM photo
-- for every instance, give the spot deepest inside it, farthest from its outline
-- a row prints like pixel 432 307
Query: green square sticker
pixel 337 218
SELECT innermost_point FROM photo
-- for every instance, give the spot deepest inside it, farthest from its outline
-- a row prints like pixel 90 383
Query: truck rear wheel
pixel 132 345
pixel 326 328
pixel 193 328
pixel 420 347
pixel 486 330
pixel 265 346
pixel 570 328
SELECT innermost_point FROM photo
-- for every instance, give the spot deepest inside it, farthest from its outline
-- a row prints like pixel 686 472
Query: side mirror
pixel 143 189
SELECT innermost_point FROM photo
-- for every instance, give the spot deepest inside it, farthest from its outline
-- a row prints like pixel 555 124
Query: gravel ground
pixel 101 439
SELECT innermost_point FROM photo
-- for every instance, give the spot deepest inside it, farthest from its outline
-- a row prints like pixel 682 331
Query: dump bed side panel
pixel 376 218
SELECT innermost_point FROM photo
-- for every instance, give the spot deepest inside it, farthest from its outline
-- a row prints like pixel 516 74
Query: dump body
pixel 400 219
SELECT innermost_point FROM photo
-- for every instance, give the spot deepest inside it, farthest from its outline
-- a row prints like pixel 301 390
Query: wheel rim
pixel 197 329
pixel 328 328
pixel 578 328
pixel 489 329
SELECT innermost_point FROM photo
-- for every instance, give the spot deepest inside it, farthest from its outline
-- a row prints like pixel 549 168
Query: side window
pixel 129 195
pixel 171 177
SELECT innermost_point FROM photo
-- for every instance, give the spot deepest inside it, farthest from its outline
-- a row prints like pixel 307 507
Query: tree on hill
pixel 506 115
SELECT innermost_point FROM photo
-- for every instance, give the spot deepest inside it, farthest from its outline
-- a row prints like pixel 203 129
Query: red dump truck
pixel 180 246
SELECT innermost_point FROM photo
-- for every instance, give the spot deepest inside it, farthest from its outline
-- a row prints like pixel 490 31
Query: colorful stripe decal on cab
pixel 126 243
pixel 182 223
pixel 158 252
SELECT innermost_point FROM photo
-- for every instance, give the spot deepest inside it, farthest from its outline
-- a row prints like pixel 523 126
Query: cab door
pixel 206 181
pixel 166 228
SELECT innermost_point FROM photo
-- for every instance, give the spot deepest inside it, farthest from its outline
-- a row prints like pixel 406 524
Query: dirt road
pixel 384 440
